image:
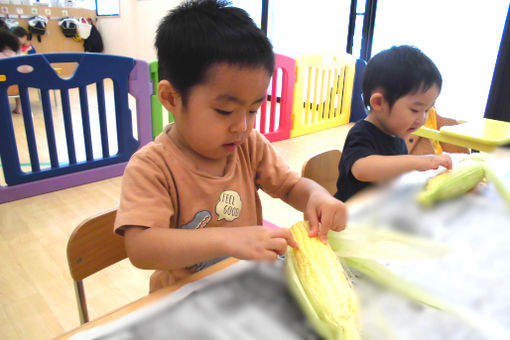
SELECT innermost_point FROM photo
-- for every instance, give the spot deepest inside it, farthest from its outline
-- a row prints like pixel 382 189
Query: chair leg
pixel 82 303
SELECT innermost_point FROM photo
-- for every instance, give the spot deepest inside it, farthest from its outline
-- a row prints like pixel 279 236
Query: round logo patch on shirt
pixel 229 205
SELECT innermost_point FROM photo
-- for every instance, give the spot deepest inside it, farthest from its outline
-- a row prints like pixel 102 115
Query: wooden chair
pixel 13 92
pixel 323 169
pixel 92 247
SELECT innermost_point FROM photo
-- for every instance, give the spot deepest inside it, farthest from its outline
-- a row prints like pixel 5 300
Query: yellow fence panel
pixel 322 92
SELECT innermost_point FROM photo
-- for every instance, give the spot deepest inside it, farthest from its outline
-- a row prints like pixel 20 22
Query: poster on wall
pixel 107 7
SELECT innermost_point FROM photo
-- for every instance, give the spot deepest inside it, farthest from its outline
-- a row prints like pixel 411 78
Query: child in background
pixel 26 46
pixel 9 47
pixel 190 198
pixel 9 44
pixel 400 85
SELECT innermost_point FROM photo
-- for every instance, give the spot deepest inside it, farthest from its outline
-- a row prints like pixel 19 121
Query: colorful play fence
pixel 71 161
pixel 306 95
pixel 322 92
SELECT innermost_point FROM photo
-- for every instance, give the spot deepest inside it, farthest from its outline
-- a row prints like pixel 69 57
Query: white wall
pixel 461 37
pixel 301 27
pixel 132 33
pixel 466 64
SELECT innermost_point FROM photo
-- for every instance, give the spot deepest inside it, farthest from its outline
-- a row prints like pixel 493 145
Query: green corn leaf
pixel 383 244
pixel 385 277
pixel 503 191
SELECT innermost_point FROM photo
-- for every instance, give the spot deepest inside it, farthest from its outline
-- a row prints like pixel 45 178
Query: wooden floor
pixel 37 298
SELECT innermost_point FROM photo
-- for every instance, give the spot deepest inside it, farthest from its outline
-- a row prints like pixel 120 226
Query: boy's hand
pixel 259 243
pixel 430 162
pixel 325 212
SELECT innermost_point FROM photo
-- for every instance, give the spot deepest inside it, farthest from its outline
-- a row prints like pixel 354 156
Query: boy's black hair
pixel 8 40
pixel 20 32
pixel 199 33
pixel 398 71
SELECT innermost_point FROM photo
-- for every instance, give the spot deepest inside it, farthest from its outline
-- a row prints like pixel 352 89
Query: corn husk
pixel 385 277
pixel 321 287
pixel 383 244
pixel 359 247
pixel 464 177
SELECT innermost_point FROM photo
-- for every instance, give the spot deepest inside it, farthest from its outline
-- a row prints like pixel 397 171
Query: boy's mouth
pixel 230 147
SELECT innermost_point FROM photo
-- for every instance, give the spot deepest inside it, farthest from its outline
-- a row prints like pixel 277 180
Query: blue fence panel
pixel 91 69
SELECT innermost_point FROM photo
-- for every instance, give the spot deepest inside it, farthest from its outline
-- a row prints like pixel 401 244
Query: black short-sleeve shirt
pixel 364 139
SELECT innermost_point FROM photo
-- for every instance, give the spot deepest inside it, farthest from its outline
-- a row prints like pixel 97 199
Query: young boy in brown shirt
pixel 190 199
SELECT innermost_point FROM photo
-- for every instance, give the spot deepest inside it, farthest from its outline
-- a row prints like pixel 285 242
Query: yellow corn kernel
pixel 324 282
pixel 452 183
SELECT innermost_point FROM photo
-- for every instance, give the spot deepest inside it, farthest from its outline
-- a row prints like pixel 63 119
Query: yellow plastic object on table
pixel 483 134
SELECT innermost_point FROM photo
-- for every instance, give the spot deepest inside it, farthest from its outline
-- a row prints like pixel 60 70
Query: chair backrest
pixel 323 169
pixel 92 247
pixel 13 91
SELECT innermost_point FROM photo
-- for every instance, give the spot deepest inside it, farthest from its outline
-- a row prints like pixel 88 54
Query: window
pixel 107 7
pixel 461 37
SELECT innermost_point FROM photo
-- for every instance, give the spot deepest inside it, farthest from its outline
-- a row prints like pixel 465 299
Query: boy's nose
pixel 241 123
pixel 423 118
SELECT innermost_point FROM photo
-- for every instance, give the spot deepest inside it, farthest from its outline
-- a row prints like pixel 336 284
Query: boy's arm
pixel 377 168
pixel 162 248
pixel 323 211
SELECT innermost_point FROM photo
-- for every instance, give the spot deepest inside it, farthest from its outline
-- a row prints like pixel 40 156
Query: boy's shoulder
pixel 255 137
pixel 365 133
pixel 363 127
pixel 160 147
pixel 255 144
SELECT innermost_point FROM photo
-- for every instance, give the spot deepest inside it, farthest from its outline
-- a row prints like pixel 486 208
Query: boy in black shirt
pixel 400 85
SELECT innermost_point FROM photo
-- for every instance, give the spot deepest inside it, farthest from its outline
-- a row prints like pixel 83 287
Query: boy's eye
pixel 223 112
pixel 413 110
pixel 253 112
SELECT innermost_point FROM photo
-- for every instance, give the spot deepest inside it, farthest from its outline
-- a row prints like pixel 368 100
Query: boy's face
pixel 408 113
pixel 220 112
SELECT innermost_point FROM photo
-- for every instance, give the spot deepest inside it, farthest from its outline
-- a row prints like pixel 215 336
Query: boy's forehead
pixel 226 81
pixel 225 67
pixel 228 98
pixel 424 97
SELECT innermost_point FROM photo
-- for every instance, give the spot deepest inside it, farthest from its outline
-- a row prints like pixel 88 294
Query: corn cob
pixel 452 183
pixel 319 283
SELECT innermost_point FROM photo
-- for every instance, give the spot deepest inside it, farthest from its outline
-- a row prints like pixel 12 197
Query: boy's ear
pixel 377 100
pixel 168 96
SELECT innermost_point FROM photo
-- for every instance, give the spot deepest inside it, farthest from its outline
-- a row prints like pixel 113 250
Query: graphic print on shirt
pixel 229 205
pixel 201 219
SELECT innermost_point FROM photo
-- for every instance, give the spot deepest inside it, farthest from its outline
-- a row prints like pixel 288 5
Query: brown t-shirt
pixel 161 188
